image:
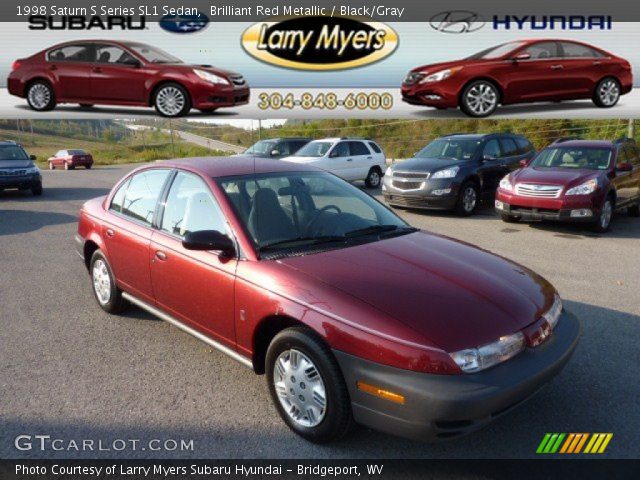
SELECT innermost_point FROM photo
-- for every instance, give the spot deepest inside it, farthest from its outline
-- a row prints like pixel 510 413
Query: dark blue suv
pixel 18 170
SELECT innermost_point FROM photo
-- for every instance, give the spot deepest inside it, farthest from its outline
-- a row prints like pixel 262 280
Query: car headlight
pixel 388 171
pixel 472 360
pixel 32 170
pixel 446 173
pixel 505 184
pixel 586 188
pixel 440 75
pixel 553 314
pixel 211 77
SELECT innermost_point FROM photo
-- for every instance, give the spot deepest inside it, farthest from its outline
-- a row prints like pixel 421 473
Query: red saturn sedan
pixel 353 315
pixel 574 181
pixel 107 72
pixel 70 159
pixel 518 72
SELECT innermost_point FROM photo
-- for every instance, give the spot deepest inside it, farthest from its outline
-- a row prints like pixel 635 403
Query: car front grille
pixel 538 191
pixel 408 180
pixel 405 185
pixel 237 80
pixel 12 173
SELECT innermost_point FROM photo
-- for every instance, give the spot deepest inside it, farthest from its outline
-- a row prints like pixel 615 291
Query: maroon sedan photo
pixel 70 159
pixel 353 315
pixel 90 72
pixel 518 72
pixel 574 181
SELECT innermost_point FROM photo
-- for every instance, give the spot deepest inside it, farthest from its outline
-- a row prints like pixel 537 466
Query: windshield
pixel 496 52
pixel 306 210
pixel 450 148
pixel 153 54
pixel 567 157
pixel 77 152
pixel 261 148
pixel 12 152
pixel 314 149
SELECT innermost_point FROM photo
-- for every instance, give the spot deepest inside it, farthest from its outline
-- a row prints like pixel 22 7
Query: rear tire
pixel 634 210
pixel 40 96
pixel 607 93
pixel 103 283
pixel 374 177
pixel 88 167
pixel 468 198
pixel 299 361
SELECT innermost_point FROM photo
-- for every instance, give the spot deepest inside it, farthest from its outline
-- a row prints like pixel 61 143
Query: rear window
pixel 508 147
pixel 72 53
pixel 142 193
pixel 575 50
pixel 77 152
pixel 358 148
pixel 374 146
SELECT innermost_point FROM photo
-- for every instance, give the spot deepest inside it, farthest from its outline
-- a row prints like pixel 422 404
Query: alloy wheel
pixel 39 96
pixel 469 199
pixel 101 281
pixel 374 178
pixel 609 92
pixel 605 215
pixel 300 388
pixel 481 98
pixel 170 101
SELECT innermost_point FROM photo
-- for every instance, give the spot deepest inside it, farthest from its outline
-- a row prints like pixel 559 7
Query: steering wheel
pixel 317 215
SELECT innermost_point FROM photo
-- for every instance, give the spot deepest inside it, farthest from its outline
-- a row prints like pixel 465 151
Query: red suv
pixel 518 72
pixel 352 314
pixel 576 181
pixel 70 159
pixel 123 73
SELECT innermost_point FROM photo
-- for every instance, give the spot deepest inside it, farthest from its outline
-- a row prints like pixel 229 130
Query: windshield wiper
pixel 376 229
pixel 305 240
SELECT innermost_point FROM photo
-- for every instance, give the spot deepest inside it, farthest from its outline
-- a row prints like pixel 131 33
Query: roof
pixel 231 166
pixel 584 143
pixel 476 136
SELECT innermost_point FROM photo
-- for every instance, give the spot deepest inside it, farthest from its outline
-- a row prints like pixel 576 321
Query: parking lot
pixel 71 371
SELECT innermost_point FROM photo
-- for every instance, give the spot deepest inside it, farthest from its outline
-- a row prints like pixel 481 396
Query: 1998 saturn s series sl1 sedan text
pixel 109 72
pixel 353 315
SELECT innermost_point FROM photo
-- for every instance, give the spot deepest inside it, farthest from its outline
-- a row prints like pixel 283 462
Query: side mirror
pixel 275 153
pixel 624 167
pixel 33 157
pixel 132 62
pixel 524 162
pixel 209 240
pixel 488 158
pixel 521 56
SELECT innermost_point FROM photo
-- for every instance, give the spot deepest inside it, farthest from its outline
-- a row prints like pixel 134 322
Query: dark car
pixel 574 181
pixel 275 147
pixel 518 72
pixel 70 159
pixel 247 257
pixel 454 172
pixel 110 72
pixel 18 170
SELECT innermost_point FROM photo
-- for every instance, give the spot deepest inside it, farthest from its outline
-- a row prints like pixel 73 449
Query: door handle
pixel 597 62
pixel 160 255
pixel 557 67
pixel 53 67
pixel 369 158
pixel 97 69
pixel 349 159
pixel 110 233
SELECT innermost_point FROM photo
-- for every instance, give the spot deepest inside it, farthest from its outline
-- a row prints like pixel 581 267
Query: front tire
pixel 172 100
pixel 468 198
pixel 509 218
pixel 607 93
pixel 51 166
pixel 307 386
pixel 603 222
pixel 105 290
pixel 374 177
pixel 479 99
pixel 37 190
pixel 40 96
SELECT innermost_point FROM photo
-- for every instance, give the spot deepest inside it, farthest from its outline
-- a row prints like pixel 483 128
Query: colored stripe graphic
pixel 573 443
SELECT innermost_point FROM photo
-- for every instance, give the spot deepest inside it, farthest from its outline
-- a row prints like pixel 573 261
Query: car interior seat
pixel 268 221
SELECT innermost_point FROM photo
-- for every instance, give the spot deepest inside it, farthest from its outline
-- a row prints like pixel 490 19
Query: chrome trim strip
pixel 176 323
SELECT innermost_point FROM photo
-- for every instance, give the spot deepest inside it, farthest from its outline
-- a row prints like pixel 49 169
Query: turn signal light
pixel 15 65
pixel 381 392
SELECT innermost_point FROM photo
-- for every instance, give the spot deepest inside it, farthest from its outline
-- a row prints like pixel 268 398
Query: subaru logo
pixel 184 23
pixel 456 21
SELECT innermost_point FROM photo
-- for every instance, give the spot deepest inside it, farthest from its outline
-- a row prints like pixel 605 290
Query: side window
pixel 297 145
pixel 72 53
pixel 375 147
pixel 112 54
pixel 542 50
pixel 284 148
pixel 491 149
pixel 622 156
pixel 575 50
pixel 634 158
pixel 524 146
pixel 116 201
pixel 61 153
pixel 358 148
pixel 191 207
pixel 509 148
pixel 142 195
pixel 340 150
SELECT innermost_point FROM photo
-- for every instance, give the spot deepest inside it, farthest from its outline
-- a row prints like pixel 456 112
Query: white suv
pixel 350 158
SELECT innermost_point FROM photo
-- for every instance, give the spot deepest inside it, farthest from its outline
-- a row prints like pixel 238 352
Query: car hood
pixel 15 164
pixel 419 164
pixel 295 159
pixel 206 68
pixel 452 294
pixel 434 67
pixel 554 176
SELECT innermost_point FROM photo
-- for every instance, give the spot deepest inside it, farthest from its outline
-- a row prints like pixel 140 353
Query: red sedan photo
pixel 574 181
pixel 271 263
pixel 109 72
pixel 70 159
pixel 518 72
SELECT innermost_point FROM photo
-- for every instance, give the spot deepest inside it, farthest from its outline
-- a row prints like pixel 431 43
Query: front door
pixel 492 169
pixel 114 76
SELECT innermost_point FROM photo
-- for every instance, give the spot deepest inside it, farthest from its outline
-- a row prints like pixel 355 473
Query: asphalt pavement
pixel 73 372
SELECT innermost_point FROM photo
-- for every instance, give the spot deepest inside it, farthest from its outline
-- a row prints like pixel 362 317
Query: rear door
pixel 127 230
pixel 194 286
pixel 626 183
pixel 59 158
pixel 634 153
pixel 338 161
pixel 361 159
pixel 115 78
pixel 71 67
pixel 510 156
pixel 581 68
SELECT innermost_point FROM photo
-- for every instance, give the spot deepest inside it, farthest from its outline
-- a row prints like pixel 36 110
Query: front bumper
pixel 214 96
pixel 438 94
pixel 439 407
pixel 422 197
pixel 22 182
pixel 552 209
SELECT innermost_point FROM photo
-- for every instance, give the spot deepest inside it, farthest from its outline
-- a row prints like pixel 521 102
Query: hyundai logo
pixel 456 21
pixel 184 23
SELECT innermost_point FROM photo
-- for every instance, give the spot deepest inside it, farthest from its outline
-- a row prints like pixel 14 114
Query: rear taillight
pixel 15 65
